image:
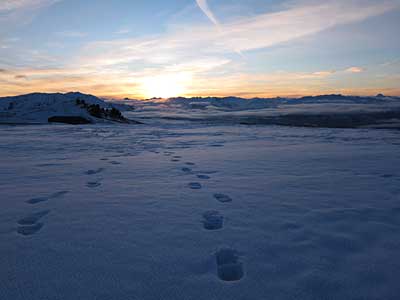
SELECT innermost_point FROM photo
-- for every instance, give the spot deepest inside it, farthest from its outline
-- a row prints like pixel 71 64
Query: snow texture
pixel 39 107
pixel 197 210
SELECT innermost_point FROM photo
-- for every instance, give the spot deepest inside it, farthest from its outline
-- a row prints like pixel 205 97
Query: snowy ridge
pixel 37 108
pixel 315 111
pixel 237 103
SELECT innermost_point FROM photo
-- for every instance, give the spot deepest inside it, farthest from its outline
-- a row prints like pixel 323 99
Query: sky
pixel 167 48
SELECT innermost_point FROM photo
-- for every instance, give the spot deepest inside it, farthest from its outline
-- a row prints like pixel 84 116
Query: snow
pixel 333 111
pixel 37 108
pixel 320 111
pixel 189 210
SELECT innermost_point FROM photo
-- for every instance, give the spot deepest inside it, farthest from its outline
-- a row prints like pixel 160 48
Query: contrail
pixel 207 11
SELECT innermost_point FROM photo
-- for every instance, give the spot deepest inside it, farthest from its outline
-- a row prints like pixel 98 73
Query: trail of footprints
pixel 94 183
pixel 30 224
pixel 228 262
pixel 229 265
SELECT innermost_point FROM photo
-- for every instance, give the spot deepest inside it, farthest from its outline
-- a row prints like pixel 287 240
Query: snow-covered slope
pixel 39 107
pixel 113 212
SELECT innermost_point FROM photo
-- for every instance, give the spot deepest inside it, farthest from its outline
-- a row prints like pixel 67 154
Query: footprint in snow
pixel 93 184
pixel 29 225
pixel 43 199
pixel 213 220
pixel 195 186
pixel 229 266
pixel 387 176
pixel 201 176
pixel 207 172
pixel 33 218
pixel 93 172
pixel 189 163
pixel 222 198
pixel 186 170
pixel 29 230
pixel 113 162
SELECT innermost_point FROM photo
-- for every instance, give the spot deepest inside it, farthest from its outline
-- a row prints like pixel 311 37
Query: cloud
pixel 13 5
pixel 207 11
pixel 354 70
pixel 243 34
pixel 15 13
pixel 269 29
pixel 200 53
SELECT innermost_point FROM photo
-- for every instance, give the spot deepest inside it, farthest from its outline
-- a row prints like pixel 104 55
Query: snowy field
pixel 198 211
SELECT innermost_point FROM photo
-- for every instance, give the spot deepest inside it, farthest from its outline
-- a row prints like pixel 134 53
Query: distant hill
pixel 334 111
pixel 237 103
pixel 73 108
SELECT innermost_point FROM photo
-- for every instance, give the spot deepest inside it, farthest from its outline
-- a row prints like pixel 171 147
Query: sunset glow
pixel 200 48
pixel 165 85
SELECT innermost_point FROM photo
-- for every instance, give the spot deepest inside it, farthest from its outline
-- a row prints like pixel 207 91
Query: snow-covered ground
pixel 329 111
pixel 37 108
pixel 174 211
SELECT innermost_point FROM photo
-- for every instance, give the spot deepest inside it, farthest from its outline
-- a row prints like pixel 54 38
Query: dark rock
pixel 74 120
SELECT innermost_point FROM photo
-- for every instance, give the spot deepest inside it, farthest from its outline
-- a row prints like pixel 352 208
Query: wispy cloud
pixel 244 34
pixel 10 6
pixel 20 12
pixel 203 4
pixel 354 70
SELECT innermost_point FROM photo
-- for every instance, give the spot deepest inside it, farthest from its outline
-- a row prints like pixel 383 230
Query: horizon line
pixel 110 97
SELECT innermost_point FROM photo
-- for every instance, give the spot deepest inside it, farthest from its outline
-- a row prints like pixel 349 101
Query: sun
pixel 165 85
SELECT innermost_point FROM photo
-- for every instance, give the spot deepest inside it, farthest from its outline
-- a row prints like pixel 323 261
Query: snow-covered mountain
pixel 334 111
pixel 236 103
pixel 42 108
pixel 314 111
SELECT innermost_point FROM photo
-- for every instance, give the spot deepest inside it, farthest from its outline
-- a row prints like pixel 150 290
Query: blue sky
pixel 158 48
